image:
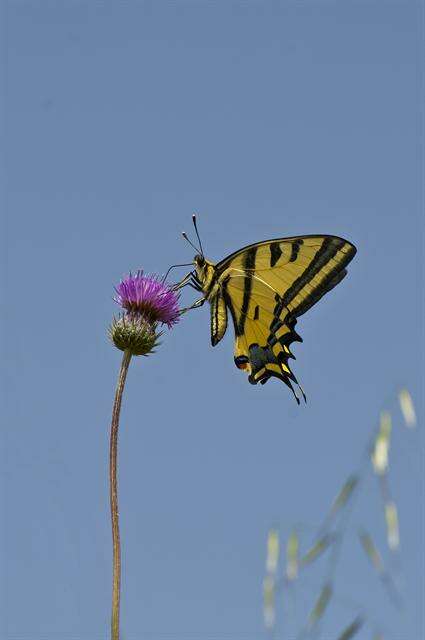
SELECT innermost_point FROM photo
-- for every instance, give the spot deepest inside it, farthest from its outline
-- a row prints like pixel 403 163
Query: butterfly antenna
pixel 185 236
pixel 197 233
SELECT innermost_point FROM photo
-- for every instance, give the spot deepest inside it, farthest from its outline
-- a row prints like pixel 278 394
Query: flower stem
pixel 113 492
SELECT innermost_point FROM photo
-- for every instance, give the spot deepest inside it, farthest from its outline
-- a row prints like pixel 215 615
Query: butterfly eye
pixel 200 260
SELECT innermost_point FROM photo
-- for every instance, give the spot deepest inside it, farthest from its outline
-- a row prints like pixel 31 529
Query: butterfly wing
pixel 266 286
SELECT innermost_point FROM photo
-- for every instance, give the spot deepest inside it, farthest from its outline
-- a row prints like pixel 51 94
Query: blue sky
pixel 268 119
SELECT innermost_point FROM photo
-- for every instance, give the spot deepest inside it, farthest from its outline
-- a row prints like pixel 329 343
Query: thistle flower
pixel 146 301
pixel 149 297
pixel 131 331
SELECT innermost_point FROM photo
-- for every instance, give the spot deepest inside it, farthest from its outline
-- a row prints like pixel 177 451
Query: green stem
pixel 113 492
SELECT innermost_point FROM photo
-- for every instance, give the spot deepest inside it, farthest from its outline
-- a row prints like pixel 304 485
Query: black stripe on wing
pixel 249 266
pixel 328 251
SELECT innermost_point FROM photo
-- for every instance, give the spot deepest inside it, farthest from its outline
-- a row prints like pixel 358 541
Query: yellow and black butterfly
pixel 265 287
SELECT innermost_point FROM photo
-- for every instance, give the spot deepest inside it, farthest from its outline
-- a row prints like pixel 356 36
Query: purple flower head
pixel 149 297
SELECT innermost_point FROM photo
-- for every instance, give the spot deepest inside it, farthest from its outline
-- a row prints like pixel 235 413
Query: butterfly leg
pixel 195 305
pixel 190 280
pixel 186 280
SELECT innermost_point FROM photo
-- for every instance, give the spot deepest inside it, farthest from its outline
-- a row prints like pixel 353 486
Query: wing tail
pixel 270 360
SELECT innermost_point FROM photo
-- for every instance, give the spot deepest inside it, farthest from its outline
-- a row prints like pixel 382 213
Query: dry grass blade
pixel 391 518
pixel 269 602
pixel 345 494
pixel 407 408
pixel 371 551
pixel 292 549
pixel 317 549
pixel 382 444
pixel 376 561
pixel 272 551
pixel 321 605
pixel 352 629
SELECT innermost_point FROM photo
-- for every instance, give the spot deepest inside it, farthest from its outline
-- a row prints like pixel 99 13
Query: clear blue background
pixel 268 119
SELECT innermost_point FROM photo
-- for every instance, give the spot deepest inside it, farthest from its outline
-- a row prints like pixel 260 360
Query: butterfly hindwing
pixel 263 333
pixel 218 317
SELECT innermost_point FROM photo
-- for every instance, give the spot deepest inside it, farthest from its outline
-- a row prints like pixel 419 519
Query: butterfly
pixel 265 287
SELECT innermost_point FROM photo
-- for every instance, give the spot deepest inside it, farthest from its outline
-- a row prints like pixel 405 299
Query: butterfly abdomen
pixel 218 315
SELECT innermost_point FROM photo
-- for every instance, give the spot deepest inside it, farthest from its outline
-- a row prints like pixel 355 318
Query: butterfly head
pixel 204 270
pixel 199 261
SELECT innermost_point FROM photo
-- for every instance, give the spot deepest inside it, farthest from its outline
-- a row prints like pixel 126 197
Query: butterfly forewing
pixel 300 269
